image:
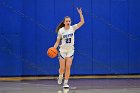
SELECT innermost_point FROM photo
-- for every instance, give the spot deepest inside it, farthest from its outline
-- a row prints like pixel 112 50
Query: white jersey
pixel 67 36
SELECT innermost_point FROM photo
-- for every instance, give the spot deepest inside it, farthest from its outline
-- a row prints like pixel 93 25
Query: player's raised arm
pixel 81 18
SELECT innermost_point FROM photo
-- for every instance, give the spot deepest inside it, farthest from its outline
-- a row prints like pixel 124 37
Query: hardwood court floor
pixel 77 86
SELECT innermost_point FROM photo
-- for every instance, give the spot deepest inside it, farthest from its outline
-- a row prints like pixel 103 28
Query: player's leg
pixel 69 60
pixel 61 68
pixel 67 73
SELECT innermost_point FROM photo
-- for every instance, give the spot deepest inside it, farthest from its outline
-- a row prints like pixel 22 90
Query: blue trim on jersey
pixel 71 56
pixel 61 56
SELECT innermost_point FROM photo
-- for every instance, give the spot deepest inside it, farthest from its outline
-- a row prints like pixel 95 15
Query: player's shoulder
pixel 72 27
pixel 62 30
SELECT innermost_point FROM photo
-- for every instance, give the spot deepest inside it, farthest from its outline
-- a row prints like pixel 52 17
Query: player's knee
pixel 62 68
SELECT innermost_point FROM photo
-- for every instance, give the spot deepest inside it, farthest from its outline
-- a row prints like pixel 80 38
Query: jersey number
pixel 68 40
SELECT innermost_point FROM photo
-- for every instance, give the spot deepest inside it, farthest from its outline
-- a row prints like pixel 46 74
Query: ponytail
pixel 61 24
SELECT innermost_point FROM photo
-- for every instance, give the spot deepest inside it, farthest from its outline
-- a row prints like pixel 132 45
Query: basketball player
pixel 66 37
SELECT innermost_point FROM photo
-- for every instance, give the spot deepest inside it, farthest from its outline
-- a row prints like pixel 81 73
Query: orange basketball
pixel 52 52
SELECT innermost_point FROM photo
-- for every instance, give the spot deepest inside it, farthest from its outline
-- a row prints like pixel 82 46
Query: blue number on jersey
pixel 68 40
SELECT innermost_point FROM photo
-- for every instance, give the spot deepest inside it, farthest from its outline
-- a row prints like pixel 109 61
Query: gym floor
pixel 76 86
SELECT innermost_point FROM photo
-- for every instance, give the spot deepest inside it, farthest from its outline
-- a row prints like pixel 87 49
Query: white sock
pixel 61 76
pixel 65 81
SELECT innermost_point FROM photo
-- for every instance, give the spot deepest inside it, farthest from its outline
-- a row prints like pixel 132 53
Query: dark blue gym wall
pixel 108 43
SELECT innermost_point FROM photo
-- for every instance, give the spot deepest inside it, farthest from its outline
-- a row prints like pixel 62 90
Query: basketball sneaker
pixel 60 78
pixel 65 84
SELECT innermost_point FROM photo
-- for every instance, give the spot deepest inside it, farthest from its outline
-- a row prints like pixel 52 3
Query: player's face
pixel 67 22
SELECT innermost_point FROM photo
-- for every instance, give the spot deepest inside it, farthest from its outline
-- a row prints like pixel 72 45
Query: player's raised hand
pixel 79 10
